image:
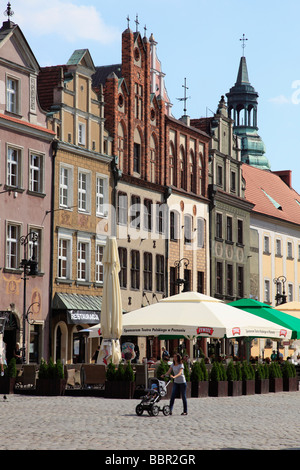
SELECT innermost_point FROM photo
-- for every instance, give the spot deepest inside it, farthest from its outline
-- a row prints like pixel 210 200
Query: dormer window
pixel 12 90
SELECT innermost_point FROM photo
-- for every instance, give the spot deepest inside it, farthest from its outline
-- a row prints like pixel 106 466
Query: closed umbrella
pixel 111 311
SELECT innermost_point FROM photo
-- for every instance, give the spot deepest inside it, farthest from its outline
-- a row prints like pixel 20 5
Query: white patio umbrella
pixel 111 311
pixel 191 314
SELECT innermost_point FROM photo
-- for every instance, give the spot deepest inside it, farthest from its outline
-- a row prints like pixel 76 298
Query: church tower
pixel 242 101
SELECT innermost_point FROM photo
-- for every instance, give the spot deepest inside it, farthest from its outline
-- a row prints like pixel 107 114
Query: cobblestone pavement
pixel 257 422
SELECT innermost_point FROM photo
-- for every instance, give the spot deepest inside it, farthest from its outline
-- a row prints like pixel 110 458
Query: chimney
pixel 286 176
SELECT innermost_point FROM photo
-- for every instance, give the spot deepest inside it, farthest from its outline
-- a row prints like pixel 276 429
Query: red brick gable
pixel 271 195
pixel 48 79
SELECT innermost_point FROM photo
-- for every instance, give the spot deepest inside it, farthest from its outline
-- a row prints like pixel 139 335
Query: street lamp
pixel 30 268
pixel 180 281
pixel 280 296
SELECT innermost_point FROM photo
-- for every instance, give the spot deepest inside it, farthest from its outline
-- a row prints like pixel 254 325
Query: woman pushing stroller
pixel 176 372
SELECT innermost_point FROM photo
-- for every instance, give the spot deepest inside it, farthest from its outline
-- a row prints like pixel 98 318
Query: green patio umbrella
pixel 269 313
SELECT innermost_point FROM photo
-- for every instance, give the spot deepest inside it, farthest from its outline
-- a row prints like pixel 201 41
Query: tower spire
pixel 243 39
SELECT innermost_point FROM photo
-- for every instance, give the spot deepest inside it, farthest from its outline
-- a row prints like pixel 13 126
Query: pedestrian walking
pixel 176 372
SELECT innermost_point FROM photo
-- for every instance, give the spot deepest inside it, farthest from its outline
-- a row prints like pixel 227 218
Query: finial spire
pixel 137 22
pixel 128 20
pixel 243 39
pixel 185 97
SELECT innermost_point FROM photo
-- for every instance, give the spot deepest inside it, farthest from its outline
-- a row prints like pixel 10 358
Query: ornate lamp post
pixel 280 296
pixel 180 281
pixel 30 268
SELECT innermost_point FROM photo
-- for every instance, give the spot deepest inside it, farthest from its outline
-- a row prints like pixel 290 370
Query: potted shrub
pixel 234 381
pixel 218 384
pixel 8 380
pixel 289 375
pixel 261 379
pixel 119 381
pixel 275 377
pixel 51 381
pixel 199 380
pixel 248 378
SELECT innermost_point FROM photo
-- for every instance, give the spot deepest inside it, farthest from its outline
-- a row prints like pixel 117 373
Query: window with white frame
pixel 65 186
pixel 14 167
pixel 12 246
pixel 101 195
pixel 36 170
pixel 278 247
pixel 83 260
pixel 81 133
pixel 64 258
pixel 35 244
pixel 267 291
pixel 84 191
pixel 289 250
pixel 290 292
pixel 266 244
pixel 99 263
pixel 188 229
pixel 12 95
pixel 200 232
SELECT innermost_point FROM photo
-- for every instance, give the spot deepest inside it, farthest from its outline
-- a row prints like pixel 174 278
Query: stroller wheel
pixel 166 410
pixel 139 410
pixel 155 410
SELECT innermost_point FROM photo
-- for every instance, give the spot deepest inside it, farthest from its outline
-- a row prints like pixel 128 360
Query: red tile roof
pixel 24 123
pixel 271 195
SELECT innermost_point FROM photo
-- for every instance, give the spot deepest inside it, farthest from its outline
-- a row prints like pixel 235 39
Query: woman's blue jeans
pixel 182 389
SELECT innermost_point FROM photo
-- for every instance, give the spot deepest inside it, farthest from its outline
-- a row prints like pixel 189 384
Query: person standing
pixel 176 372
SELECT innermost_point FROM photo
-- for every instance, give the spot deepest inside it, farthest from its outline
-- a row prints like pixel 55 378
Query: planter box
pixel 262 386
pixel 199 389
pixel 7 385
pixel 218 389
pixel 276 385
pixel 290 384
pixel 50 387
pixel 119 389
pixel 248 387
pixel 235 388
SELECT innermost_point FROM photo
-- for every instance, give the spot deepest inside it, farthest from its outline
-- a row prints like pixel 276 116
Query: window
pixel 240 281
pixel 266 245
pixel 172 164
pixel 135 269
pixel 187 230
pixel 135 212
pixel 289 250
pixel 161 217
pixel 200 232
pixel 148 215
pixel 174 225
pixel 219 230
pixel 159 273
pixel 240 230
pixel 12 92
pixel 64 256
pixel 148 271
pixel 137 158
pixel 229 229
pixel 36 177
pixel 82 261
pixel 14 170
pixel 173 278
pixel 81 133
pixel 219 283
pixel 101 195
pixel 83 191
pixel 123 267
pixel 34 245
pixel 290 293
pixel 12 246
pixel 267 291
pixel 192 172
pixel 200 282
pixel 99 263
pixel 122 208
pixel 229 279
pixel 219 175
pixel 65 186
pixel 121 146
pixel 153 178
pixel 182 169
pixel 278 247
pixel 232 182
pixel 138 108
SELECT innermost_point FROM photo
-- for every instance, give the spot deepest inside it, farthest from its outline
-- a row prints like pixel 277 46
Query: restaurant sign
pixel 83 316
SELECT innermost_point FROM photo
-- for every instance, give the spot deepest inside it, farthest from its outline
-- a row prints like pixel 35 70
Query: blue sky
pixel 198 40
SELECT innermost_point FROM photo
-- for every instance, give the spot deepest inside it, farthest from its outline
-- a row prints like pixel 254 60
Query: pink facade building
pixel 26 156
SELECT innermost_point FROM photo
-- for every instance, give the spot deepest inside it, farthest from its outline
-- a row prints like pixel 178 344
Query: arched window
pixel 172 165
pixel 120 149
pixel 182 169
pixel 137 152
pixel 201 185
pixel 153 177
pixel 192 172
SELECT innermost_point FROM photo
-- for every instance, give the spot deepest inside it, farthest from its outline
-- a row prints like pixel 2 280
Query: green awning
pixel 269 313
pixel 79 308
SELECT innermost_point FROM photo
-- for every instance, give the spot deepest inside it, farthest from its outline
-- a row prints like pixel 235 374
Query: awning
pixel 79 308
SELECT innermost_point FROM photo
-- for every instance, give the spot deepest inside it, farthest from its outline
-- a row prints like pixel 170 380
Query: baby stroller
pixel 157 390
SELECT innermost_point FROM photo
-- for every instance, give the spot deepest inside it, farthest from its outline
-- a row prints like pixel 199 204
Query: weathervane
pixel 8 12
pixel 185 97
pixel 243 39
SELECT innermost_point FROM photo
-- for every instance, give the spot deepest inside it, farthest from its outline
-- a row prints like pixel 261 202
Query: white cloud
pixel 281 99
pixel 65 19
